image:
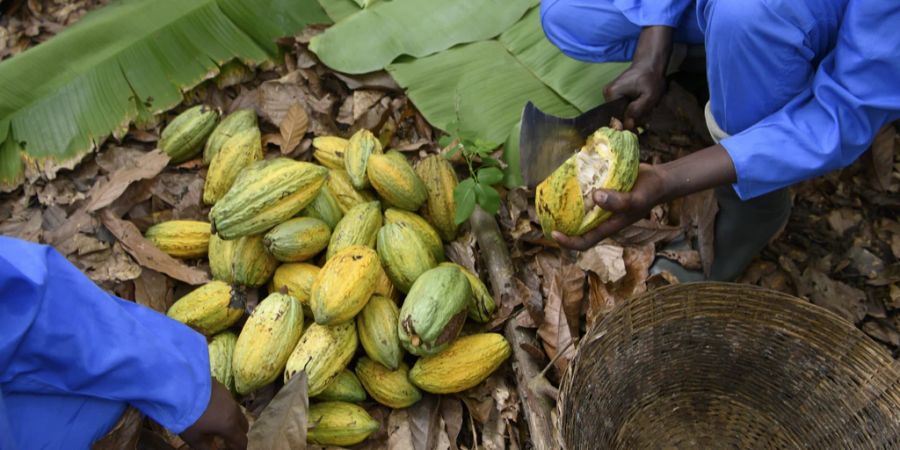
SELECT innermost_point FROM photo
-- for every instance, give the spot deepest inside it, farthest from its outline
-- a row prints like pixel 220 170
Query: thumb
pixel 612 201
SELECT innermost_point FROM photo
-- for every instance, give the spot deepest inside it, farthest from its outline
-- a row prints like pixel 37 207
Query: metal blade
pixel 546 141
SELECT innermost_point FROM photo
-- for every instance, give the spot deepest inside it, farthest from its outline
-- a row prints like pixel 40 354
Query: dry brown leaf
pixel 689 259
pixel 462 250
pixel 646 232
pixel 373 80
pixel 25 224
pixel 844 300
pixel 292 128
pixel 152 290
pixel 146 254
pixel 148 166
pixel 885 145
pixel 424 423
pixel 282 425
pixel 698 211
pixel 600 301
pixel 605 260
pixel 399 433
pixel 125 433
pixel 109 264
pixel 277 96
pixel 555 331
pixel 452 415
pixel 843 219
pixel 637 262
pixel 572 282
pixel 864 261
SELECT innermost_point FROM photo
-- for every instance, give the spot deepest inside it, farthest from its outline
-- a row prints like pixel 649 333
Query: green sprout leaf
pixel 489 176
pixel 488 198
pixel 464 196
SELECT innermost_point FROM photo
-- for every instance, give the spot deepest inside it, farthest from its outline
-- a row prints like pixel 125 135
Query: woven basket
pixel 713 365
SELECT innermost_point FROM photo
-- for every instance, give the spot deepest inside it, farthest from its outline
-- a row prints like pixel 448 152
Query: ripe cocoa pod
pixel 395 181
pixel 358 227
pixel 186 239
pixel 389 387
pixel 266 194
pixel 608 160
pixel 210 308
pixel 325 208
pixel 429 235
pixel 297 279
pixel 252 265
pixel 329 151
pixel 221 350
pixel 344 388
pixel 377 328
pixel 403 255
pixel 463 365
pixel 297 239
pixel 231 125
pixel 344 285
pixel 183 137
pixel 323 351
pixel 434 310
pixel 339 423
pixel 221 254
pixel 243 149
pixel 344 193
pixel 265 343
pixel 439 208
pixel 385 288
pixel 482 307
pixel 361 145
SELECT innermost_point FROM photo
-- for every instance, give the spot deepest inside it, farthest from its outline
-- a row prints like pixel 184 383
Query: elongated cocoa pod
pixel 252 265
pixel 344 285
pixel 361 145
pixel 344 388
pixel 325 208
pixel 210 308
pixel 221 350
pixel 482 307
pixel 329 151
pixel 440 207
pixel 231 125
pixel 377 327
pixel 389 387
pixel 221 256
pixel 429 235
pixel 434 311
pixel 297 279
pixel 183 137
pixel 395 181
pixel 358 227
pixel 463 365
pixel 297 239
pixel 323 351
pixel 243 149
pixel 266 341
pixel 403 255
pixel 180 238
pixel 344 193
pixel 339 423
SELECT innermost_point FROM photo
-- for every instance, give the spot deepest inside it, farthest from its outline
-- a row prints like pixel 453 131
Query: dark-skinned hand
pixel 644 82
pixel 222 418
pixel 627 208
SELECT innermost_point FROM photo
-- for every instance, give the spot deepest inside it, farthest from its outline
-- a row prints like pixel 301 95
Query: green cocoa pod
pixel 252 265
pixel 361 145
pixel 482 306
pixel 358 227
pixel 377 327
pixel 297 239
pixel 339 423
pixel 231 125
pixel 395 181
pixel 403 254
pixel 221 255
pixel 221 350
pixel 325 208
pixel 344 388
pixel 183 137
pixel 243 149
pixel 434 310
pixel 429 235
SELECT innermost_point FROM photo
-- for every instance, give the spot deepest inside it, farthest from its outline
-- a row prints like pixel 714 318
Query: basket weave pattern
pixel 716 365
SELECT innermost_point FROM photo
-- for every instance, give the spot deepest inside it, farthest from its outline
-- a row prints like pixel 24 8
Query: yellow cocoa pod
pixel 243 149
pixel 266 341
pixel 358 227
pixel 265 194
pixel 323 351
pixel 325 208
pixel 221 254
pixel 439 208
pixel 389 387
pixel 180 238
pixel 361 145
pixel 429 235
pixel 343 191
pixel 467 362
pixel 221 350
pixel 403 255
pixel 329 151
pixel 377 327
pixel 608 160
pixel 482 306
pixel 231 125
pixel 183 137
pixel 252 265
pixel 296 278
pixel 297 239
pixel 339 423
pixel 344 388
pixel 344 285
pixel 395 181
pixel 210 308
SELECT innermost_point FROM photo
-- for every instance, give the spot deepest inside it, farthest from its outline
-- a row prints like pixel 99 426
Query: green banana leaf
pixel 374 37
pixel 125 62
pixel 339 10
pixel 482 87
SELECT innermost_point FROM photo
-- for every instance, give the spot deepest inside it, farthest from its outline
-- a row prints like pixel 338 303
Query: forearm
pixel 654 48
pixel 704 169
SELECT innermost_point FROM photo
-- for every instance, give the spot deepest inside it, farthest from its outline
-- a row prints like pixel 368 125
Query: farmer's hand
pixel 644 82
pixel 703 169
pixel 222 418
pixel 627 208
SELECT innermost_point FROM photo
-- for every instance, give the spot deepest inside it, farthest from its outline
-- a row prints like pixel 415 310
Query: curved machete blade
pixel 546 141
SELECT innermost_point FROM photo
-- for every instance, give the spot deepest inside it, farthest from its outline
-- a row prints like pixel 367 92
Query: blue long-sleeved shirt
pixel 61 335
pixel 802 86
